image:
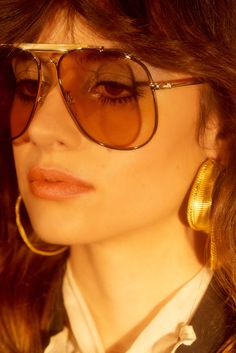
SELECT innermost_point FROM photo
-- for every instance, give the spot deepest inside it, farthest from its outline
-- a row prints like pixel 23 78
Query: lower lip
pixel 58 190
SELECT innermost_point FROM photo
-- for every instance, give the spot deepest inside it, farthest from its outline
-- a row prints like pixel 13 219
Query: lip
pixel 55 184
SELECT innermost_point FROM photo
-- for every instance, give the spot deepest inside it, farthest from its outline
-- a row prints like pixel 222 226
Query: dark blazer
pixel 214 322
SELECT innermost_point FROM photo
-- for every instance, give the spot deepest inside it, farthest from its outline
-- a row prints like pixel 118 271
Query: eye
pixel 114 92
pixel 113 89
pixel 27 89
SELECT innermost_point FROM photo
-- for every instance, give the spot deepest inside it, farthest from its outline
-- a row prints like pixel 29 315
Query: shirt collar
pixel 160 334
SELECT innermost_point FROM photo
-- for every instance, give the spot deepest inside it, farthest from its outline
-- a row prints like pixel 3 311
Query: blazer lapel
pixel 213 323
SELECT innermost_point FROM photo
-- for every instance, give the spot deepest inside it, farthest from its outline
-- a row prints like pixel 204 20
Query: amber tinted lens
pixel 109 96
pixel 19 81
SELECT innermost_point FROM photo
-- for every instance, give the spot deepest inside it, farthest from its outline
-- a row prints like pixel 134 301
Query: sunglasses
pixel 109 94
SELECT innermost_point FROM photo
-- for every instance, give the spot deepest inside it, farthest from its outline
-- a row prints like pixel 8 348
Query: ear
pixel 211 140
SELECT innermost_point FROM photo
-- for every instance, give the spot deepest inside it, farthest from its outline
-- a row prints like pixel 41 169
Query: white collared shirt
pixel 164 333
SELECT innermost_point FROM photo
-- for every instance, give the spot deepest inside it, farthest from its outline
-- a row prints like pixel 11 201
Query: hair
pixel 197 37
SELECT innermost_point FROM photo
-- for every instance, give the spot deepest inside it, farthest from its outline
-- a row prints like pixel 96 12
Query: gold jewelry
pixel 200 202
pixel 213 253
pixel 200 199
pixel 25 238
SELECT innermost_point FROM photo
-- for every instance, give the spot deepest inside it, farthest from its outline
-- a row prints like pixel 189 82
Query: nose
pixel 51 125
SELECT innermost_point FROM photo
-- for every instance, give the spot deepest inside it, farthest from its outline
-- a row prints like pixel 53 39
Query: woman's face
pixel 111 192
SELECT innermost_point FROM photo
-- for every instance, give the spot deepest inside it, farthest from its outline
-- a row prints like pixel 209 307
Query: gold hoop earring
pixel 25 238
pixel 200 199
pixel 200 202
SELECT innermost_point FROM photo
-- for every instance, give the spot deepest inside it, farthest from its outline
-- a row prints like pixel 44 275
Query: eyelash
pixel 114 101
pixel 135 92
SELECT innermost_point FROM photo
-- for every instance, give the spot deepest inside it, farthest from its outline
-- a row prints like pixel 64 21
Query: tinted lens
pixel 109 96
pixel 19 81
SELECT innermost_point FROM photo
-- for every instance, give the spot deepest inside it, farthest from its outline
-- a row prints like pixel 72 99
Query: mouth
pixel 54 184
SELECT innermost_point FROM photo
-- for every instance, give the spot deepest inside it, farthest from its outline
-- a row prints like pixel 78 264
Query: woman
pixel 118 134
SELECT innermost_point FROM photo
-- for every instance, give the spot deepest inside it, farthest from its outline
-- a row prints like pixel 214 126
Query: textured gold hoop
pixel 25 238
pixel 200 202
pixel 200 199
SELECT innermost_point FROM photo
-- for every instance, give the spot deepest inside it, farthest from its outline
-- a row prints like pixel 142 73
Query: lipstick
pixel 54 184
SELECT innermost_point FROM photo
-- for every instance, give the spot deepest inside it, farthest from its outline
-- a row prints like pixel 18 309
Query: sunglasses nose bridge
pixel 48 75
pixel 50 61
pixel 52 75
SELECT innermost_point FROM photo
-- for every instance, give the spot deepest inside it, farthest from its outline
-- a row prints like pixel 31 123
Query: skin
pixel 130 246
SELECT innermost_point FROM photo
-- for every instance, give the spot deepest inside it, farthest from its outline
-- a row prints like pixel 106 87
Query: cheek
pixel 24 156
pixel 19 152
pixel 178 116
pixel 151 183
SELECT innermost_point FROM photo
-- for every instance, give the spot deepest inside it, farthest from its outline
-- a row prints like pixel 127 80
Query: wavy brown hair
pixel 197 37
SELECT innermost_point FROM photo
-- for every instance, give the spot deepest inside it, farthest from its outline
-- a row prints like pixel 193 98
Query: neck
pixel 127 279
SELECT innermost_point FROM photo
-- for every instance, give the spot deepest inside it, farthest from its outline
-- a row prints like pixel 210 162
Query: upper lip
pixel 54 175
